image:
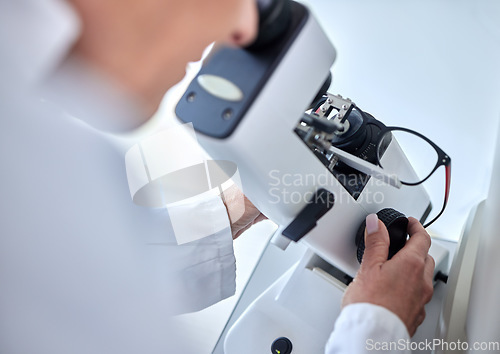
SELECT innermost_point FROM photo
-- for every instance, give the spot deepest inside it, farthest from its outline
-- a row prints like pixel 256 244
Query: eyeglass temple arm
pixel 446 195
pixel 365 167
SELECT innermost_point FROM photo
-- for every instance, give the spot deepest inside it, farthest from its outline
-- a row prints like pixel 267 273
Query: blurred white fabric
pixel 82 268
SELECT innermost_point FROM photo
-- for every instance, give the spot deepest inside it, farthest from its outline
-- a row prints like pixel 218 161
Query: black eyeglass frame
pixel 442 160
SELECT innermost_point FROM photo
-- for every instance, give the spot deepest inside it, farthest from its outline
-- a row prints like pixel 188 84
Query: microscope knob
pixel 397 225
pixel 282 345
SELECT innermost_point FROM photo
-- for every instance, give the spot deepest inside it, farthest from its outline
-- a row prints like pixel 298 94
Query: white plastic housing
pixel 275 163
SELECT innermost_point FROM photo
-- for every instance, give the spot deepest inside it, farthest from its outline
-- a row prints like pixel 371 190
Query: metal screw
pixel 227 114
pixel 191 96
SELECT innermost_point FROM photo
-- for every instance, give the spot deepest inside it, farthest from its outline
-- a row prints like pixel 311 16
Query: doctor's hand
pixel 403 284
pixel 242 213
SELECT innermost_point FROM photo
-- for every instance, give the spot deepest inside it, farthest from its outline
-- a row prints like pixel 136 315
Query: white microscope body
pixel 246 107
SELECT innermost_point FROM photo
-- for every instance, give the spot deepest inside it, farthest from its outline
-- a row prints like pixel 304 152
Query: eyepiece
pixel 274 18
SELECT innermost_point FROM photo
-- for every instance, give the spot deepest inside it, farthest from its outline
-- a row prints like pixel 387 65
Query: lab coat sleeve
pixel 207 269
pixel 161 177
pixel 368 328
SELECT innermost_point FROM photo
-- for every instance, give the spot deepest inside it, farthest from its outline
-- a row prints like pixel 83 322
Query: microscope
pixel 307 160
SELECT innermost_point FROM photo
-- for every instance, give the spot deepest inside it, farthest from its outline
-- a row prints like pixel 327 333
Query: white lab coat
pixel 83 269
pixel 367 328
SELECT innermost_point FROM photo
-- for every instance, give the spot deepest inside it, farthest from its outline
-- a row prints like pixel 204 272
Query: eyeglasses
pixel 430 158
pixel 362 142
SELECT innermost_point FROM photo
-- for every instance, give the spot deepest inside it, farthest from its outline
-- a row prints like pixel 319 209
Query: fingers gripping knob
pixel 397 226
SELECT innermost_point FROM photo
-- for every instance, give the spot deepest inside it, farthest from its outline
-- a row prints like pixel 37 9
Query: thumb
pixel 376 242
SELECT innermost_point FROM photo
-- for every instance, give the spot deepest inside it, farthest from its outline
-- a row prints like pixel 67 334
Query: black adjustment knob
pixel 397 225
pixel 281 345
